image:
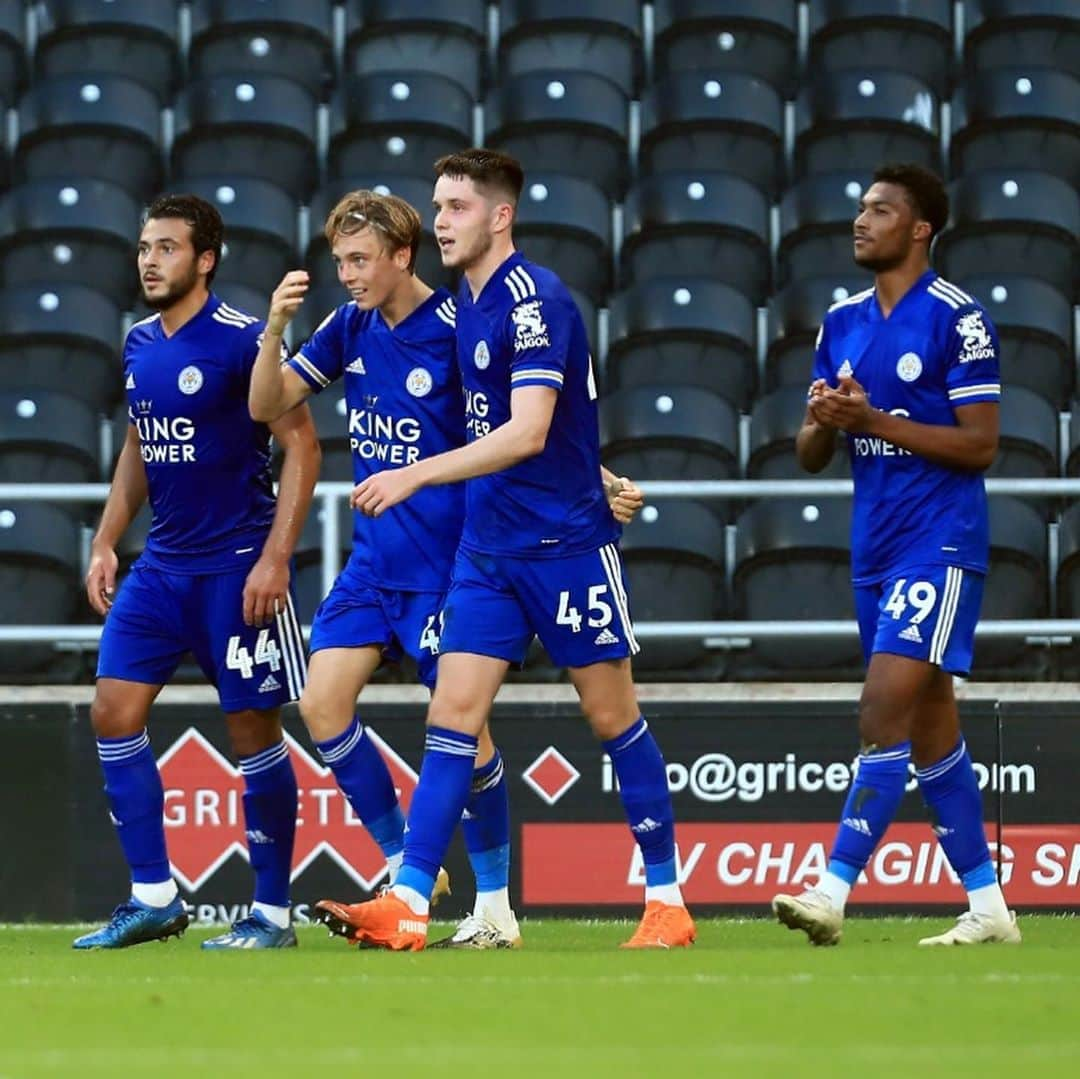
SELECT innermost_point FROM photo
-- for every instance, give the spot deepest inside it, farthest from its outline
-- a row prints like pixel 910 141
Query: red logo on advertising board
pixel 204 812
pixel 551 775
pixel 747 864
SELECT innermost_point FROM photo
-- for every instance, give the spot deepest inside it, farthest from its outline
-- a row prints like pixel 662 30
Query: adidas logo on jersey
pixel 269 684
pixel 911 633
pixel 605 636
pixel 356 367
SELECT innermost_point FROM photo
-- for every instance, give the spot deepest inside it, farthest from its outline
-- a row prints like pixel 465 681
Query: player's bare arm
pixel 816 441
pixel 971 445
pixel 126 496
pixel 522 436
pixel 267 586
pixel 623 495
pixel 275 388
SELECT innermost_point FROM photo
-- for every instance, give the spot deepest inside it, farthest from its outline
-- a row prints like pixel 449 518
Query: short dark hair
pixel 491 169
pixel 207 228
pixel 925 192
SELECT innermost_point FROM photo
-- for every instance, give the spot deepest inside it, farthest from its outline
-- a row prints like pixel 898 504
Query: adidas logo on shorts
pixel 605 636
pixel 911 633
pixel 269 684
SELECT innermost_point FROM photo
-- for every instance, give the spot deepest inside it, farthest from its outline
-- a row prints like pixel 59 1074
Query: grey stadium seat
pixel 721 36
pixel 39 578
pixel 271 37
pixel 395 124
pixel 564 223
pixel 1000 33
pixel 129 38
pixel 413 189
pixel 257 126
pixel 781 545
pixel 13 61
pixel 1016 586
pixel 774 423
pixel 64 338
pixel 669 432
pixel 1018 117
pixel 683 331
pixel 1035 329
pixel 47 437
pixel 260 231
pixel 55 231
pixel 1028 440
pixel 1072 461
pixel 858 117
pixel 575 118
pixel 308 556
pixel 109 126
pixel 673 552
pixel 416 35
pixel 1005 218
pixel 817 218
pixel 1068 575
pixel 728 123
pixel 795 316
pixel 601 36
pixel 883 35
pixel 701 224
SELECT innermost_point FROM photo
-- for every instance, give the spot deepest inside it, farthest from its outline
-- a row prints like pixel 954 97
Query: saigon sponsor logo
pixel 530 328
pixel 977 344
pixel 204 817
pixel 718 777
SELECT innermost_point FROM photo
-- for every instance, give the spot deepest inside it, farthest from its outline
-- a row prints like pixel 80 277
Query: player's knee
pixel 454 714
pixel 252 731
pixel 111 716
pixel 881 723
pixel 322 715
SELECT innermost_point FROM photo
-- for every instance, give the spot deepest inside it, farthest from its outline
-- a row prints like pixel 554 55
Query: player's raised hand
pixel 286 300
pixel 381 490
pixel 625 499
pixel 101 578
pixel 266 591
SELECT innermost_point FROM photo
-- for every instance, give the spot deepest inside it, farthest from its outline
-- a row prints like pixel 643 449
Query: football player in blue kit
pixel 909 371
pixel 393 343
pixel 214 577
pixel 538 553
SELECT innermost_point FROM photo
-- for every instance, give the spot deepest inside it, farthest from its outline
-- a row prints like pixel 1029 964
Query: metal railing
pixel 330 495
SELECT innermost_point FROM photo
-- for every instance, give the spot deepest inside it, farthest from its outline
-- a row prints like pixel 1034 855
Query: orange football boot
pixel 384 922
pixel 663 926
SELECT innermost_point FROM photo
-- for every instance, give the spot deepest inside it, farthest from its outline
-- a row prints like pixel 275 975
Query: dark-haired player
pixel 214 577
pixel 538 553
pixel 908 370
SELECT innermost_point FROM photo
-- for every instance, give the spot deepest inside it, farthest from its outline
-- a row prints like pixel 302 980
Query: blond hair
pixel 393 219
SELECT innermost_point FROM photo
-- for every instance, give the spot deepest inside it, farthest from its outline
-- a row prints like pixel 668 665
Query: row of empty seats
pixel 677 559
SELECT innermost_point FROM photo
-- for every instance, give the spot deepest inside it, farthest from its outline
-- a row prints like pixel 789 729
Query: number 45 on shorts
pixel 600 612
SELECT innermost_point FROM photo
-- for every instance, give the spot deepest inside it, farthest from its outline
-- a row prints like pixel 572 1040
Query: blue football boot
pixel 251 932
pixel 135 923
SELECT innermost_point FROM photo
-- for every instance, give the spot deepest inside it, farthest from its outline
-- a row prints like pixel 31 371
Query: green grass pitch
pixel 750 999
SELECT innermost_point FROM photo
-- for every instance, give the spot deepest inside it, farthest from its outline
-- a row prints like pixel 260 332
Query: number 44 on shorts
pixel 600 613
pixel 238 658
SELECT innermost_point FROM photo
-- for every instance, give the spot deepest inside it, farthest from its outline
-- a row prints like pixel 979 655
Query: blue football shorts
pixel 355 613
pixel 576 604
pixel 159 616
pixel 925 612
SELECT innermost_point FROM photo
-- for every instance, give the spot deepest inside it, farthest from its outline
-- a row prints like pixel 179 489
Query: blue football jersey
pixel 207 462
pixel 936 351
pixel 524 329
pixel 403 395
